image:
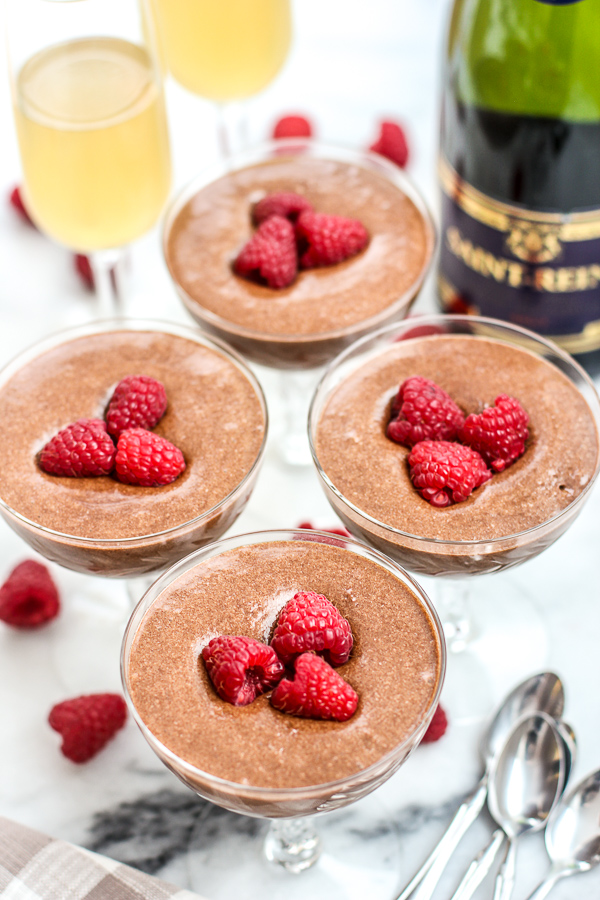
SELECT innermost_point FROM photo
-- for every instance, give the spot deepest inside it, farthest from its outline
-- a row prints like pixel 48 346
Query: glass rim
pixel 274 150
pixel 270 536
pixel 147 325
pixel 462 320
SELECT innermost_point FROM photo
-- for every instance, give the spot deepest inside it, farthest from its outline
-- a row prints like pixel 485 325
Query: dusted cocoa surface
pixel 214 416
pixel 394 666
pixel 212 227
pixel 372 471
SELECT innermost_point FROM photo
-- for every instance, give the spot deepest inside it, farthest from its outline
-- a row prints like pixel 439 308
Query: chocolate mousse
pixel 513 515
pixel 215 415
pixel 395 667
pixel 324 309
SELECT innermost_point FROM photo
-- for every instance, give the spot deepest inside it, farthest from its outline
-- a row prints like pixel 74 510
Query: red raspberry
pixel 83 267
pixel 310 621
pixel 270 254
pixel 83 448
pixel 423 411
pixel 292 126
pixel 241 668
pixel 87 723
pixel 146 459
pixel 444 473
pixel 317 692
pixel 343 532
pixel 437 727
pixel 285 204
pixel 498 433
pixel 328 239
pixel 16 201
pixel 138 401
pixel 28 597
pixel 391 143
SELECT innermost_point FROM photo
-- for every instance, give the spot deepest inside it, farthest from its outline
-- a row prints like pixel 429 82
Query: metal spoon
pixel 525 784
pixel 573 834
pixel 539 692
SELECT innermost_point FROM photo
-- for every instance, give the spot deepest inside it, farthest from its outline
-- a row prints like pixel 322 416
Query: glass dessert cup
pixel 292 843
pixel 490 629
pixel 130 555
pixel 300 328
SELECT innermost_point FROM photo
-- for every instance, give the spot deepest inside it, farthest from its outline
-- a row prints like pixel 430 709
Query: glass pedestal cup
pixel 132 556
pixel 294 859
pixel 284 339
pixel 489 635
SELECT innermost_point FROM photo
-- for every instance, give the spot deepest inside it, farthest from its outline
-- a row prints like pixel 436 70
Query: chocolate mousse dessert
pixel 513 508
pixel 393 662
pixel 309 316
pixel 107 524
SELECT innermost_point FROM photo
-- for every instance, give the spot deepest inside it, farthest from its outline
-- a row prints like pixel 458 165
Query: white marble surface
pixel 351 64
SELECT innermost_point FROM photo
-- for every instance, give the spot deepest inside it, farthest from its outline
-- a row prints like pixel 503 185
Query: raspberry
pixel 437 727
pixel 138 401
pixel 444 473
pixel 325 240
pixel 87 723
pixel 285 204
pixel 16 201
pixel 423 411
pixel 498 433
pixel 146 459
pixel 83 267
pixel 343 532
pixel 310 621
pixel 391 143
pixel 317 692
pixel 28 597
pixel 270 257
pixel 292 126
pixel 241 668
pixel 83 448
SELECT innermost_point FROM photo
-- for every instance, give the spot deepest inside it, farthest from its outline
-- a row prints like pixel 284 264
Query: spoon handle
pixel 545 886
pixel 505 879
pixel 431 870
pixel 479 868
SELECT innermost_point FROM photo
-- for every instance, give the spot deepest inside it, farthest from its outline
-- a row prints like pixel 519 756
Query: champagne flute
pixel 91 125
pixel 225 52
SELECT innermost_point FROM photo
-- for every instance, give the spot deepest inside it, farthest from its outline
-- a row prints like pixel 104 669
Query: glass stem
pixel 295 393
pixel 232 128
pixel 106 265
pixel 293 844
pixel 453 607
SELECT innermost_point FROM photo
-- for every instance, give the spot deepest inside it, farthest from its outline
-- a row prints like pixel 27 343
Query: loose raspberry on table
pixel 437 727
pixel 29 598
pixel 391 143
pixel 241 668
pixel 292 126
pixel 286 204
pixel 325 240
pixel 138 401
pixel 83 267
pixel 270 255
pixel 444 473
pixel 316 692
pixel 422 411
pixel 16 201
pixel 147 459
pixel 87 723
pixel 81 449
pixel 342 532
pixel 309 621
pixel 498 433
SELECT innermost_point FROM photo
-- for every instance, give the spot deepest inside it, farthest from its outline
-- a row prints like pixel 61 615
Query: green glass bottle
pixel 520 166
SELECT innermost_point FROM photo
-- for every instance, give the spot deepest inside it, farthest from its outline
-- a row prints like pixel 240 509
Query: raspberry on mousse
pixel 316 692
pixel 444 472
pixel 421 411
pixel 310 622
pixel 498 433
pixel 241 668
pixel 138 401
pixel 82 448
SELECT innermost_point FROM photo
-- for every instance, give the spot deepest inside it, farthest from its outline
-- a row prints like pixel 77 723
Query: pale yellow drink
pixel 92 133
pixel 224 49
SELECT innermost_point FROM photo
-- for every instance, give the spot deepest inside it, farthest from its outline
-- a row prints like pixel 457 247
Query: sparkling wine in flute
pixel 225 50
pixel 520 166
pixel 93 140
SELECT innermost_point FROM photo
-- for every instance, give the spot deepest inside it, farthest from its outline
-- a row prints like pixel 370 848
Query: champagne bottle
pixel 520 167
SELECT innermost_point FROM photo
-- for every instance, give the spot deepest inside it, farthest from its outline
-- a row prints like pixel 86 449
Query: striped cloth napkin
pixel 34 866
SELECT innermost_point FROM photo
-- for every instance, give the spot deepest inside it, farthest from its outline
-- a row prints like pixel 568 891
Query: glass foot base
pixel 360 858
